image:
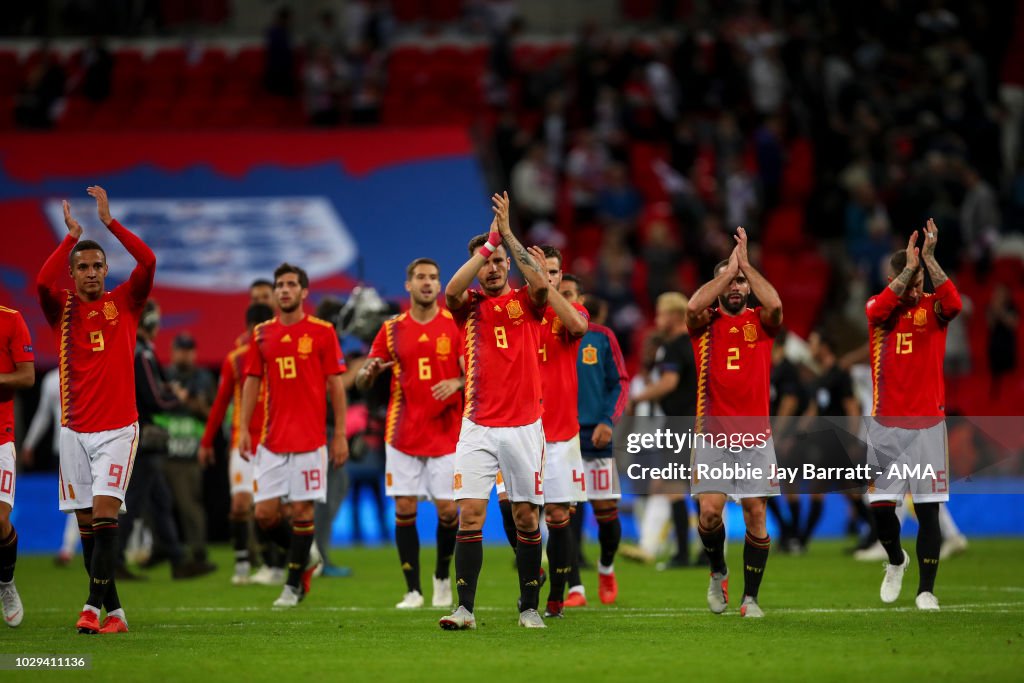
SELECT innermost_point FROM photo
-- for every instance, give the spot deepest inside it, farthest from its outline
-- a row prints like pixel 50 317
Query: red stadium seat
pixel 10 72
pixel 407 11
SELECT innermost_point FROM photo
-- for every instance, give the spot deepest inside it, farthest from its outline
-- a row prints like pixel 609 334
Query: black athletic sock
pixel 576 527
pixel 104 560
pixel 714 546
pixel 279 535
pixel 508 521
pixel 888 526
pixel 813 517
pixel 528 557
pixel 681 522
pixel 609 533
pixel 270 552
pixel 560 554
pixel 298 551
pixel 755 557
pixel 240 539
pixel 407 539
pixel 929 542
pixel 446 533
pixel 111 602
pixel 469 558
pixel 794 516
pixel 776 512
pixel 8 556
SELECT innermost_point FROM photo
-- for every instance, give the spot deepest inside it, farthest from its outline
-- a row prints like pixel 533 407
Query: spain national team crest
pixel 750 332
pixel 920 317
pixel 556 325
pixel 589 355
pixel 305 344
pixel 514 309
pixel 444 345
pixel 109 310
pixel 457 483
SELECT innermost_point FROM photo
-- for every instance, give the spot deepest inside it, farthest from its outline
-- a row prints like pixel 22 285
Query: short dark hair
pixel 569 277
pixel 825 338
pixel 594 305
pixel 898 261
pixel 258 313
pixel 421 262
pixel 86 245
pixel 261 282
pixel 328 309
pixel 720 265
pixel 552 252
pixel 286 268
pixel 477 242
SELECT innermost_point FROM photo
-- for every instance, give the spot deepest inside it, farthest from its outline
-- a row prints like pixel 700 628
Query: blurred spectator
pixel 324 84
pixel 365 71
pixel 326 34
pixel 618 203
pixel 185 426
pixel 40 93
pixel 740 196
pixel 586 167
pixel 1003 320
pixel 98 65
pixel 958 348
pixel 980 219
pixel 279 71
pixel 534 186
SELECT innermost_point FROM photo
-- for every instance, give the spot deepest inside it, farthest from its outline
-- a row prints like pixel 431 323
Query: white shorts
pixel 518 452
pixel 292 477
pixel 95 464
pixel 914 461
pixel 239 473
pixel 722 462
pixel 564 481
pixel 8 472
pixel 602 479
pixel 416 475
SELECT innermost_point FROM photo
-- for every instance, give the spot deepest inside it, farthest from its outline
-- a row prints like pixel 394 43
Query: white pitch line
pixel 628 612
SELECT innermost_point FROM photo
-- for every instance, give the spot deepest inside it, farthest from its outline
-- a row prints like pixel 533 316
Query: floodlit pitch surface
pixel 824 621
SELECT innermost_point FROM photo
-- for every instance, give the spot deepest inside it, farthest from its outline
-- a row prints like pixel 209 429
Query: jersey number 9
pixel 96 339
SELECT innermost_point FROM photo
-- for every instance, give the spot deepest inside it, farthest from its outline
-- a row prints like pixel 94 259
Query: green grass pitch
pixel 824 621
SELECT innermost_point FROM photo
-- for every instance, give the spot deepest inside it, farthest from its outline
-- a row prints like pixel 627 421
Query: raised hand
pixel 913 252
pixel 74 229
pixel 102 203
pixel 741 247
pixel 500 205
pixel 931 238
pixel 538 254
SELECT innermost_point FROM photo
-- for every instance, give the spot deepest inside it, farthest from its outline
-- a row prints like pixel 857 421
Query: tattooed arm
pixel 533 271
pixel 947 299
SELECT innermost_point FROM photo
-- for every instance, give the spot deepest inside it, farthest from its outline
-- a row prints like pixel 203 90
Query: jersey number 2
pixel 733 361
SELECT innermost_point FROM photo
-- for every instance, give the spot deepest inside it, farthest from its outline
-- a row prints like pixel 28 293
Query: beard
pixel 733 308
pixel 494 287
pixel 290 308
pixel 424 300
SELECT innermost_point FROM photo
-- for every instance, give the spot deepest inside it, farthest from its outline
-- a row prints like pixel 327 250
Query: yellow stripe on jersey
pixel 470 365
pixel 4 309
pixel 702 378
pixel 395 405
pixel 317 321
pixel 876 366
pixel 64 359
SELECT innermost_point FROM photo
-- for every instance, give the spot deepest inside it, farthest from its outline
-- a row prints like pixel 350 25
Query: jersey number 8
pixel 500 337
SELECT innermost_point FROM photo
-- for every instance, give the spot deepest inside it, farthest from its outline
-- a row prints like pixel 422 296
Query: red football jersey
pixel 500 340
pixel 232 377
pixel 733 354
pixel 294 362
pixel 557 351
pixel 424 354
pixel 96 339
pixel 15 347
pixel 908 345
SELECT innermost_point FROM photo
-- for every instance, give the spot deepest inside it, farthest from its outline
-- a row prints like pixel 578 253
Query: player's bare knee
pixel 405 506
pixel 556 513
pixel 5 520
pixel 447 513
pixel 268 516
pixel 106 507
pixel 472 514
pixel 604 505
pixel 526 515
